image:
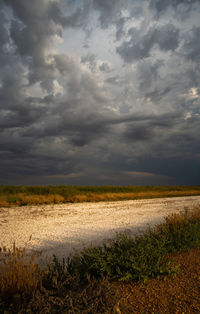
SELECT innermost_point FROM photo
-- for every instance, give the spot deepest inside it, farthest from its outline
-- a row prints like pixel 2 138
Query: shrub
pixel 124 258
pixel 130 259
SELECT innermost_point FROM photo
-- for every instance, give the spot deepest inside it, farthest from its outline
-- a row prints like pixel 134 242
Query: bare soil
pixel 58 229
pixel 171 294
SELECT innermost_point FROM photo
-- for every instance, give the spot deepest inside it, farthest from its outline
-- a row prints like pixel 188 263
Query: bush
pixel 124 258
pixel 130 259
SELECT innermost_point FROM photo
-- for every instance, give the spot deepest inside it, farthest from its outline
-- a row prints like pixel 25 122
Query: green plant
pixel 130 259
pixel 124 258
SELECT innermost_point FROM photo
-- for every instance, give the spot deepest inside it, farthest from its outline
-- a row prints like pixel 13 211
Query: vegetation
pixel 129 259
pixel 19 273
pixel 29 195
pixel 125 275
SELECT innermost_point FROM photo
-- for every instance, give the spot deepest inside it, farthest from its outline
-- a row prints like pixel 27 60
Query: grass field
pixel 157 272
pixel 32 195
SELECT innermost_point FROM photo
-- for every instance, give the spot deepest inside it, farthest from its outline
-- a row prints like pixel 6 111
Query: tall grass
pixel 180 231
pixel 74 190
pixel 29 195
pixel 18 272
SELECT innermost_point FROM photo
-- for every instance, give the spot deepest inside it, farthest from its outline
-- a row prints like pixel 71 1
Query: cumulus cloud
pixel 77 114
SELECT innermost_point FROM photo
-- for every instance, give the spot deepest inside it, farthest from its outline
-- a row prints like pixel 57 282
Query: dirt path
pixel 57 229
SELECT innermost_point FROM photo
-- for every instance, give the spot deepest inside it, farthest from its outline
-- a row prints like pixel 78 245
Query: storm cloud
pixel 99 92
pixel 139 46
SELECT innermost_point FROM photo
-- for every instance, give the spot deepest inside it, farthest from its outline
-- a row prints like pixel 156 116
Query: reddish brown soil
pixel 173 294
pixel 180 294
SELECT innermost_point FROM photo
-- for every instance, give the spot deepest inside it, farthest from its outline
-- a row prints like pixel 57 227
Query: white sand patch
pixel 57 229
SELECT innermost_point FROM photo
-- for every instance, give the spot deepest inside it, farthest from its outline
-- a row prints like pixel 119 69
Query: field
pixel 156 272
pixel 30 195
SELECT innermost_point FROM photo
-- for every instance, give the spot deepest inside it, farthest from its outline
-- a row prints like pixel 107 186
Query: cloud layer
pixel 99 92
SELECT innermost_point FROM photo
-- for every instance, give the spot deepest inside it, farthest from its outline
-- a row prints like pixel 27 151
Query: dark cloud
pixel 181 169
pixel 105 67
pixel 90 60
pixel 167 37
pixel 4 36
pixel 150 128
pixel 191 46
pixel 109 10
pixel 164 146
pixel 87 118
pixel 140 44
pixel 162 138
pixel 161 6
pixel 120 27
pixel 33 31
pixel 148 73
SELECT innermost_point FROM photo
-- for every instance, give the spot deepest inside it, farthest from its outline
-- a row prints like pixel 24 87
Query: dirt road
pixel 57 229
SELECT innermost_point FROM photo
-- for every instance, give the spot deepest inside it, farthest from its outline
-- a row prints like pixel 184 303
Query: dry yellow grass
pixel 18 272
pixel 176 219
pixel 41 199
pixel 92 197
pixel 19 199
pixel 22 199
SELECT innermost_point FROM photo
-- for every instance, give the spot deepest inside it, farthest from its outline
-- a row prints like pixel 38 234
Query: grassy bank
pixel 156 272
pixel 30 195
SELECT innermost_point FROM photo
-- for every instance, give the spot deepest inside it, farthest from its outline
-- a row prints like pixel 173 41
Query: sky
pixel 100 92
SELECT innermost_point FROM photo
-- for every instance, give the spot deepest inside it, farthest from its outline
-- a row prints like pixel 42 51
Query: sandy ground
pixel 57 229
